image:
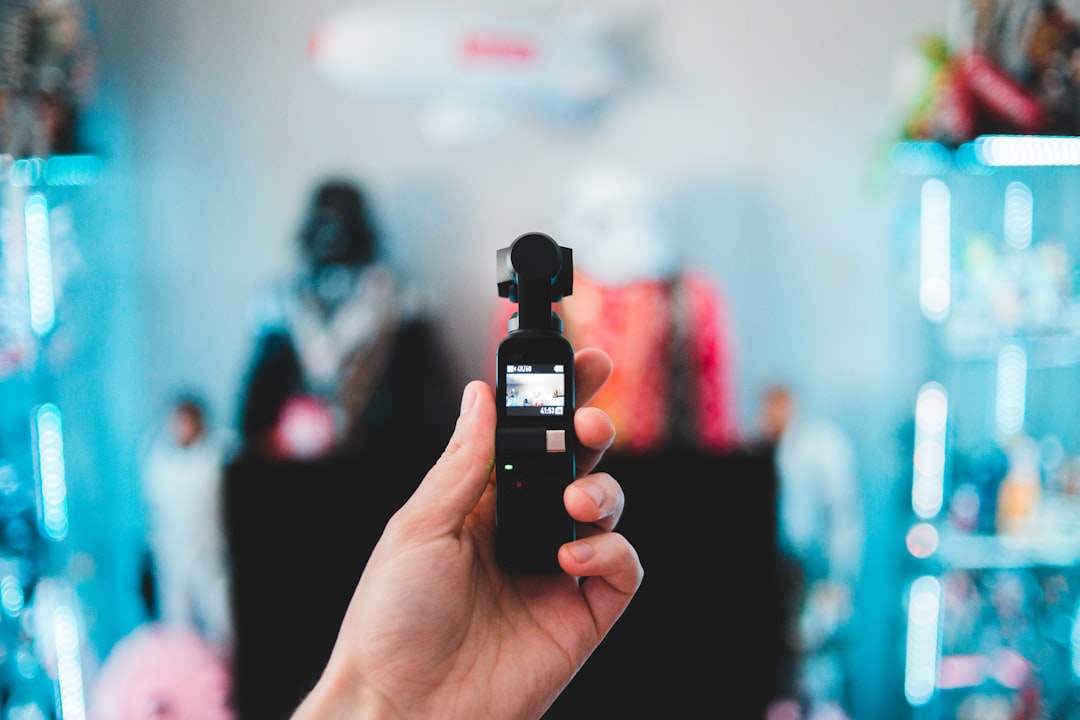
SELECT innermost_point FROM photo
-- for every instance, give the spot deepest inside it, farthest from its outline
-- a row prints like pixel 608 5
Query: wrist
pixel 339 695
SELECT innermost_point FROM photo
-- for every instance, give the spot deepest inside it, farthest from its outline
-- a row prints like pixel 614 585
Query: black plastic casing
pixel 534 460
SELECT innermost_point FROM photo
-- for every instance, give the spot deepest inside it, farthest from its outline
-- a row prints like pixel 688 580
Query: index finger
pixel 594 429
pixel 592 366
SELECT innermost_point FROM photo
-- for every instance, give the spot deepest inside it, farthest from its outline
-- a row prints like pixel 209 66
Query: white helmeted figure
pixel 664 323
pixel 617 221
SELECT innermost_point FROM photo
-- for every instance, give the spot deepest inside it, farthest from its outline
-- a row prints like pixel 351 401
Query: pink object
pixel 305 429
pixel 784 709
pixel 962 671
pixel 1011 669
pixel 156 673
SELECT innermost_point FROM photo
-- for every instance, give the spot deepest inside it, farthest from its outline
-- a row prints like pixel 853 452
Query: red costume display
pixel 673 378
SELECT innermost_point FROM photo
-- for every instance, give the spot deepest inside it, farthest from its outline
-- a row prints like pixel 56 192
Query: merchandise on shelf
pixel 42 622
pixel 994 544
pixel 46 76
pixel 1011 66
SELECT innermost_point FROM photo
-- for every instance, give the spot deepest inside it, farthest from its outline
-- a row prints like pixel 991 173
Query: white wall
pixel 764 120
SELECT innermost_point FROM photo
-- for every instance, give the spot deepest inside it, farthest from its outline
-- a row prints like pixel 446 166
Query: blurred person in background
pixel 182 476
pixel 820 540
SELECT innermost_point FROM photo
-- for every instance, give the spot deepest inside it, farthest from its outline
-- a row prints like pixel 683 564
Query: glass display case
pixel 992 232
pixel 42 618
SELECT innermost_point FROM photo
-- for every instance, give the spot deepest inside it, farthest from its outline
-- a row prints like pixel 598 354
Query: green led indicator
pixel 508 467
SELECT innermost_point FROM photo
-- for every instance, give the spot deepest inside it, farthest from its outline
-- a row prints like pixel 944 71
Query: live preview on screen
pixel 535 389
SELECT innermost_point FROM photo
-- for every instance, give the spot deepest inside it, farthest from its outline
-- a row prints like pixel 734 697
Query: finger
pixel 612 572
pixel 595 432
pixel 596 499
pixel 592 367
pixel 457 480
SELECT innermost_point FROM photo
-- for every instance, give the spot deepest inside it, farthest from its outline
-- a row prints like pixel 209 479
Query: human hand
pixel 437 629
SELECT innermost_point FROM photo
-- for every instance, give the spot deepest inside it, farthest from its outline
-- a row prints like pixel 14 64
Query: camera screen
pixel 535 389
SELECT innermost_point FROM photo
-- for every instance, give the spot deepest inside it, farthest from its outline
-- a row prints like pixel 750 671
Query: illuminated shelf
pixel 985 552
pixel 985 153
pixel 1043 351
pixel 57 170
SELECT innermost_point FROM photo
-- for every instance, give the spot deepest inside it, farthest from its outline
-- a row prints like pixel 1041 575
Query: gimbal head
pixel 535 271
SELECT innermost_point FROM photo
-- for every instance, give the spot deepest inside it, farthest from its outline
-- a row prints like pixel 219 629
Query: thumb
pixel 454 485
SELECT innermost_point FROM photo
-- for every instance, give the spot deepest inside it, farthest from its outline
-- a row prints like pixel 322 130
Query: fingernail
pixel 581 552
pixel 468 399
pixel 595 492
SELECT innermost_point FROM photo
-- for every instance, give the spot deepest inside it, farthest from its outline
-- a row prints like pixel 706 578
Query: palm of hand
pixel 437 629
pixel 451 597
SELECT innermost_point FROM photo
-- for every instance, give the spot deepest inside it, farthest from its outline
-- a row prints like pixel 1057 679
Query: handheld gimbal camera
pixel 535 445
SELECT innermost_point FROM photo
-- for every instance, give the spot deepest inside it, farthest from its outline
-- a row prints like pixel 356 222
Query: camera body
pixel 535 444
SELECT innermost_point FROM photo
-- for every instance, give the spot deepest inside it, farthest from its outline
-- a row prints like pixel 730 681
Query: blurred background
pixel 248 250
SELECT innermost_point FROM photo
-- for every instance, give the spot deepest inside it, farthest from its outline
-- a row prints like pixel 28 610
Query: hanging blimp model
pixel 471 71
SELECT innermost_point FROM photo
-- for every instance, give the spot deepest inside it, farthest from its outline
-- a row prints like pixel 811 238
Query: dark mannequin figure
pixel 333 367
pixel 346 404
